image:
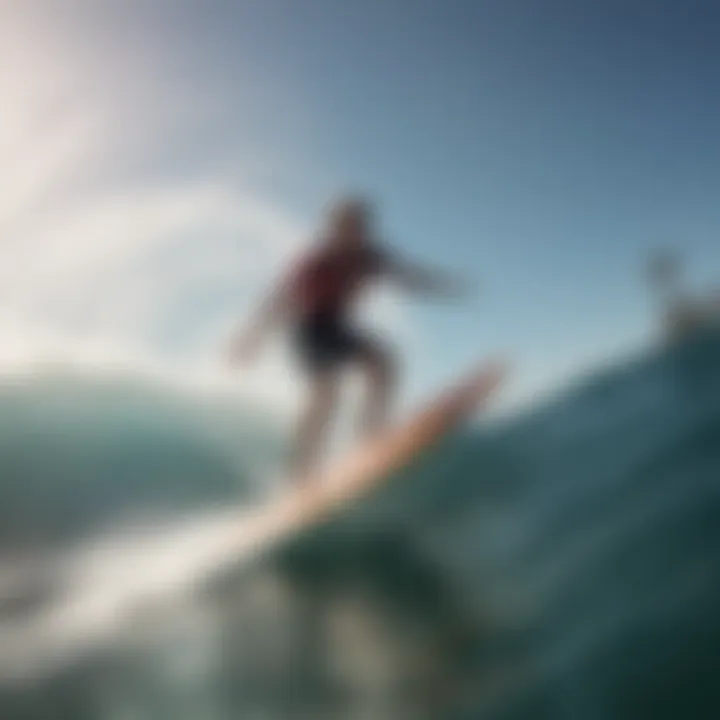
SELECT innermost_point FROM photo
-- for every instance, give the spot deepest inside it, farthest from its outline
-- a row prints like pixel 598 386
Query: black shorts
pixel 327 342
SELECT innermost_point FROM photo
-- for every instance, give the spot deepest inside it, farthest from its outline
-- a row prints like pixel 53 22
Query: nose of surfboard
pixel 473 389
pixel 376 460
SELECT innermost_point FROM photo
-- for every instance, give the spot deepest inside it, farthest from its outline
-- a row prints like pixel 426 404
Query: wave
pixel 563 564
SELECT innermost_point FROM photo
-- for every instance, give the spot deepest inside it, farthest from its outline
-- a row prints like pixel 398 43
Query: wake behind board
pixel 108 588
pixel 317 498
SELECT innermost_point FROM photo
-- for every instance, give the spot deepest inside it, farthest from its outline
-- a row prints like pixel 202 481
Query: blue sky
pixel 168 156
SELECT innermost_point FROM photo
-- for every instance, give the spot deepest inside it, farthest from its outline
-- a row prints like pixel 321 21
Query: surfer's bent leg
pixel 312 424
pixel 378 366
pixel 321 345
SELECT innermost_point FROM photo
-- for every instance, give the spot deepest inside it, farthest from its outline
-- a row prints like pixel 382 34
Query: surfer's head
pixel 349 221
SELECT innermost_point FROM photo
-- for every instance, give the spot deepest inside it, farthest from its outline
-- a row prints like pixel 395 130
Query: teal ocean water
pixel 562 565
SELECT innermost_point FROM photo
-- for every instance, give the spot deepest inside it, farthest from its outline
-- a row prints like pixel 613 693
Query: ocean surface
pixel 561 565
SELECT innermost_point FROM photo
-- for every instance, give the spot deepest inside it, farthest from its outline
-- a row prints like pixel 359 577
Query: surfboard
pixel 316 498
pixel 107 590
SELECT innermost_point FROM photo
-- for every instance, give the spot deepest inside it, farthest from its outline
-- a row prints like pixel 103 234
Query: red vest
pixel 327 281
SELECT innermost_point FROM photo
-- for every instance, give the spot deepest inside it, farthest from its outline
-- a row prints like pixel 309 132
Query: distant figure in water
pixel 314 299
pixel 683 315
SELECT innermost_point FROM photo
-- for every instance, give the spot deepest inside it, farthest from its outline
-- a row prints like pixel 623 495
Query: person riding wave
pixel 314 299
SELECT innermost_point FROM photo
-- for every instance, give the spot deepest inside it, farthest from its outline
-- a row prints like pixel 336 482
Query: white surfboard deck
pixel 316 498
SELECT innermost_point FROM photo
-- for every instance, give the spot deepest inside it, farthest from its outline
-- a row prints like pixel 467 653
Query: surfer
pixel 314 299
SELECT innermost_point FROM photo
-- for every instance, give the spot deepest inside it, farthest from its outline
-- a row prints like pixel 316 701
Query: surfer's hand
pixel 463 289
pixel 457 289
pixel 243 350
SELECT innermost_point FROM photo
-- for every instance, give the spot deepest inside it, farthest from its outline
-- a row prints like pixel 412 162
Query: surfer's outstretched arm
pixel 272 312
pixel 427 280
